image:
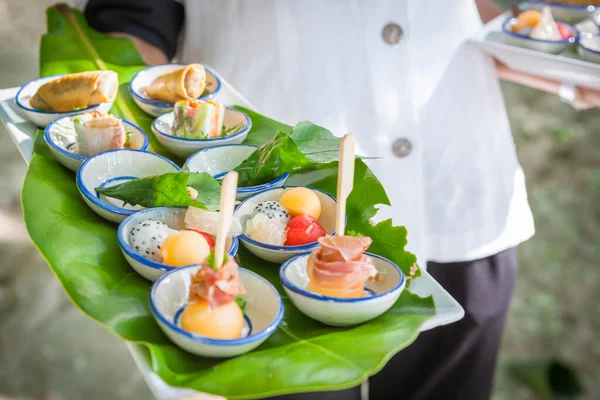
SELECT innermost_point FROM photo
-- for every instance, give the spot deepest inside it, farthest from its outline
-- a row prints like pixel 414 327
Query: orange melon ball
pixel 185 248
pixel 223 322
pixel 301 200
pixel 527 19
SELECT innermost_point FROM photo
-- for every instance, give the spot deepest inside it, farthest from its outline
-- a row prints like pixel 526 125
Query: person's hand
pixel 151 54
pixel 585 98
pixel 589 97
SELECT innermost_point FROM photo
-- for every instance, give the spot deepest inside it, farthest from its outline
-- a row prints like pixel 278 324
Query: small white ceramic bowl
pixel 61 138
pixel 336 311
pixel 145 77
pixel 173 217
pixel 219 160
pixel 42 118
pixel 569 12
pixel 547 46
pixel 264 311
pixel 589 48
pixel 184 147
pixel 114 167
pixel 279 254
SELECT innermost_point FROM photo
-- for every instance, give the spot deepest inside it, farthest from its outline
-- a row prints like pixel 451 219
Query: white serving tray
pixel 564 67
pixel 22 132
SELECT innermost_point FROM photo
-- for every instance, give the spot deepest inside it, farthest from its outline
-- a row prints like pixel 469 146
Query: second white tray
pixel 564 67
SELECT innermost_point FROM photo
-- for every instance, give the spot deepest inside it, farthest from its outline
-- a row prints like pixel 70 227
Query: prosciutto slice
pixel 340 263
pixel 217 287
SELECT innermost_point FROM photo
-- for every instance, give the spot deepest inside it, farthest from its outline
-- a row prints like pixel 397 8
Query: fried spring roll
pixel 75 91
pixel 185 83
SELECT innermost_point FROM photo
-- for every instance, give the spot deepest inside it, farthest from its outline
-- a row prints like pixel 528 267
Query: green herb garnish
pixel 353 233
pixel 212 262
pixel 128 139
pixel 242 303
pixel 232 130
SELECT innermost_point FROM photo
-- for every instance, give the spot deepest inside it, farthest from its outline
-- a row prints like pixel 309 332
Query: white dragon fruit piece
pixel 273 210
pixel 266 230
pixel 147 236
pixel 208 221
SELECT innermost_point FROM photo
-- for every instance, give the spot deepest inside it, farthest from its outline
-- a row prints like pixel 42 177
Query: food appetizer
pixel 290 221
pixel 539 31
pixel 212 309
pixel 339 267
pixel 195 119
pixel 96 133
pixel 72 139
pixel 184 83
pixel 280 223
pixel 329 284
pixel 156 241
pixel 540 26
pixel 76 91
pixel 196 124
pixel 160 239
pixel 211 322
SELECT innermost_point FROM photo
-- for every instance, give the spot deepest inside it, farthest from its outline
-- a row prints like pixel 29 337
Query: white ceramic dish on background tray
pixel 568 12
pixel 589 48
pixel 546 46
pixel 564 67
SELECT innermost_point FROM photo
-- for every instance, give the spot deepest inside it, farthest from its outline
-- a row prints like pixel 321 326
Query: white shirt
pixel 460 191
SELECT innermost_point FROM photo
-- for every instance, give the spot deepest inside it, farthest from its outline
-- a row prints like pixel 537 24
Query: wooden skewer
pixel 226 205
pixel 345 181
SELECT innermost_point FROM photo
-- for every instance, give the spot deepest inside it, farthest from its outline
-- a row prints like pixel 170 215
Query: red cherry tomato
pixel 303 229
pixel 565 31
pixel 209 239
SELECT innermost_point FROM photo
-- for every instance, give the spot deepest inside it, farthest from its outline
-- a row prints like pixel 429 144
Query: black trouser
pixel 452 362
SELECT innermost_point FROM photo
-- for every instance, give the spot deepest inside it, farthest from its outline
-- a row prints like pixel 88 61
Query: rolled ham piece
pixel 73 91
pixel 185 83
pixel 339 267
pixel 97 133
pixel 217 287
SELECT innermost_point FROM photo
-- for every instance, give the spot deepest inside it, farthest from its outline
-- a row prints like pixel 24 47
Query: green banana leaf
pixel 82 250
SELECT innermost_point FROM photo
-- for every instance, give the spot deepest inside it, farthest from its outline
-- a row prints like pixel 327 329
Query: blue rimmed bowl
pixel 145 77
pixel 114 167
pixel 62 140
pixel 569 12
pixel 279 254
pixel 42 118
pixel 219 160
pixel 547 46
pixel 184 147
pixel 264 312
pixel 589 48
pixel 173 217
pixel 380 294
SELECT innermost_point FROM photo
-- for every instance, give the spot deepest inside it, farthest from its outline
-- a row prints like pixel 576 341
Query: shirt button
pixel 401 147
pixel 392 33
